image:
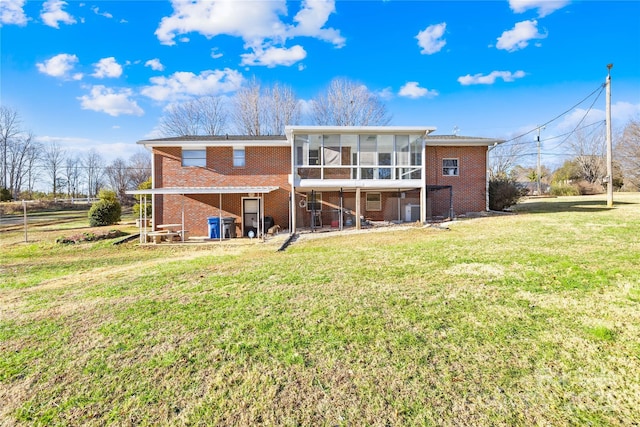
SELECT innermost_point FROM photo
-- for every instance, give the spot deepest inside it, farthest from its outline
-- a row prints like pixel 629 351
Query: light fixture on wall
pixel 252 194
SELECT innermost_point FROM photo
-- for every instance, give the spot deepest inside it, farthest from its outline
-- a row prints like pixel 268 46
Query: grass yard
pixel 526 319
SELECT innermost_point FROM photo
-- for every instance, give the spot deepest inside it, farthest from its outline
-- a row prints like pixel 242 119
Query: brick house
pixel 336 175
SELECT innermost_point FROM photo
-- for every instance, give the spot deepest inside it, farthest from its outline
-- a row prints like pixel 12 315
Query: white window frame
pixel 318 201
pixel 197 157
pixel 239 157
pixel 373 205
pixel 449 169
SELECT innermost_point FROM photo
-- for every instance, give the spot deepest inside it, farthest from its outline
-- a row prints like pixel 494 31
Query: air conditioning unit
pixel 411 213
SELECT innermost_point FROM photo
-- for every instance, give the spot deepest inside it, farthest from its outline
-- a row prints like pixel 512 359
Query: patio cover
pixel 205 190
pixel 195 190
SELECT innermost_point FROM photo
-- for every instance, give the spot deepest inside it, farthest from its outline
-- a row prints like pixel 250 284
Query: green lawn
pixel 524 319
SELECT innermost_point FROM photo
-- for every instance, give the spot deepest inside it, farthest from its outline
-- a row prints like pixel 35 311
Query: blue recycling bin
pixel 214 227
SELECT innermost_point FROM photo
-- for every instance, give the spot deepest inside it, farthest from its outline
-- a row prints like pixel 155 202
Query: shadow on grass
pixel 572 205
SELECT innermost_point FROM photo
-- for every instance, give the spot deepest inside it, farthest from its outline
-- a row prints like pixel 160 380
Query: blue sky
pixel 99 73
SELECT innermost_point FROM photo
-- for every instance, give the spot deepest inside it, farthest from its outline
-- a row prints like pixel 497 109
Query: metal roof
pixel 205 190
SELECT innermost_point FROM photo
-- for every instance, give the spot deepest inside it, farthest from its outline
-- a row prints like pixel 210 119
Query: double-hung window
pixel 450 167
pixel 191 157
pixel 314 201
pixel 238 157
pixel 374 202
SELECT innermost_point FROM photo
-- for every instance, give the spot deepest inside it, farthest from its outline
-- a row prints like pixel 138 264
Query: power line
pixel 600 88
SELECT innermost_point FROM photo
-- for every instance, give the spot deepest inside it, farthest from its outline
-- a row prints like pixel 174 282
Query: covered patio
pixel 177 226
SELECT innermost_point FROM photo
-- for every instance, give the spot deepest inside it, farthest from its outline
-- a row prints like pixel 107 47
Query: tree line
pixel 585 171
pixel 257 110
pixel 26 164
pixel 254 110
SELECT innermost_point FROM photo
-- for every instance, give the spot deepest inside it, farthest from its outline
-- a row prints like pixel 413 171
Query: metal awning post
pixel 262 215
pixel 399 210
pixel 220 225
pixel 143 207
pixel 341 209
pixel 451 203
pixel 145 224
pixel 313 211
pixel 182 220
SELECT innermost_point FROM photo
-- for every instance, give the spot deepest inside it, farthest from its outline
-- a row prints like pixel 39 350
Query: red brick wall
pixel 265 166
pixel 270 166
pixel 469 188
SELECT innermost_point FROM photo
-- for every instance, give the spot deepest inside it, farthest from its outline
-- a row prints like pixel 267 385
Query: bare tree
pixel 32 174
pixel 205 115
pixel 282 109
pixel 72 175
pixel 504 157
pixel 20 162
pixel 53 159
pixel 213 112
pixel 9 128
pixel 180 120
pixel 248 109
pixel 119 178
pixel 347 103
pixel 92 164
pixel 628 151
pixel 139 168
pixel 589 149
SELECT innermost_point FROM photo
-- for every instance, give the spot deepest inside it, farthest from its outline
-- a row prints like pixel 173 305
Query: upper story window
pixel 238 157
pixel 450 167
pixel 194 157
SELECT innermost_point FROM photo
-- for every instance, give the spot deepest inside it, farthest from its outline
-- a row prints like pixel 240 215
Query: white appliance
pixel 411 213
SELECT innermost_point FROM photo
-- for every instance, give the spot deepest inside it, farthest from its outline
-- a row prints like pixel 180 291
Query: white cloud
pixel 489 79
pixel 12 12
pixel 519 36
pixel 215 54
pixel 414 91
pixel 52 14
pixel 621 113
pixel 258 24
pixel 96 10
pixel 154 64
pixel 107 67
pixel 184 84
pixel 273 56
pixel 311 19
pixel 430 39
pixel 252 21
pixel 60 66
pixel 545 7
pixel 106 100
pixel 386 93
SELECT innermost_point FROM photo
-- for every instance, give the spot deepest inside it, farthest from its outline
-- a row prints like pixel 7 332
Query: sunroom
pixel 344 176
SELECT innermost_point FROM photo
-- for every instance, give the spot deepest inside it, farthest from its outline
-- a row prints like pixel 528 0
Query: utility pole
pixel 609 143
pixel 539 170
